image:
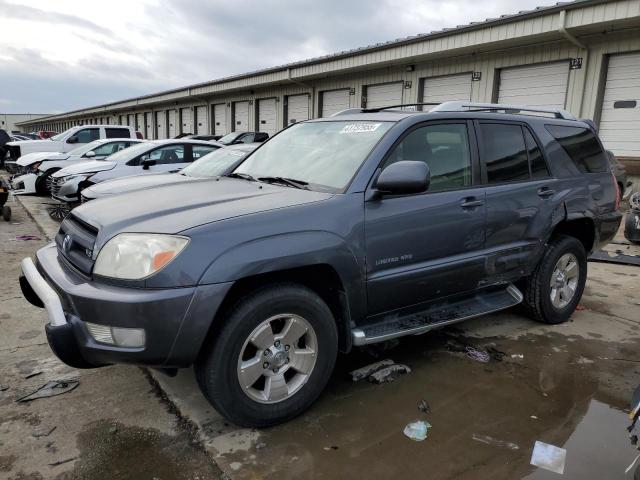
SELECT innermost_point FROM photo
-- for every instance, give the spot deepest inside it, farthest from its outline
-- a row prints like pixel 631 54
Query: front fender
pixel 292 250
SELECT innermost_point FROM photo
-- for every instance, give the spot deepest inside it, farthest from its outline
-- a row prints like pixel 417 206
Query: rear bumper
pixel 175 321
pixel 607 226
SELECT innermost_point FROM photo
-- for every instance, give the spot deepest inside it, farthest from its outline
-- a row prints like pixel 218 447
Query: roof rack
pixel 459 106
pixel 350 111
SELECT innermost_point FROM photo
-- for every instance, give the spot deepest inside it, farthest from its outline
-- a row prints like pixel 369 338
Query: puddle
pixel 572 397
pixel 112 450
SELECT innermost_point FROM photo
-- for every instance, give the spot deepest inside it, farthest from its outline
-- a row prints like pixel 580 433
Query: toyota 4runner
pixel 337 232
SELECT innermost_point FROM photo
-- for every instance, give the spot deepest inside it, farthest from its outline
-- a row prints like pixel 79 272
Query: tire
pixel 538 291
pixel 247 337
pixel 41 183
pixel 6 213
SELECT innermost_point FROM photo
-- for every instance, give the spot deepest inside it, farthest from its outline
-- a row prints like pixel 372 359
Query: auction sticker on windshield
pixel 360 128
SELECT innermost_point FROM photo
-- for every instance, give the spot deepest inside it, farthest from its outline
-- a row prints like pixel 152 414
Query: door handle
pixel 471 202
pixel 545 192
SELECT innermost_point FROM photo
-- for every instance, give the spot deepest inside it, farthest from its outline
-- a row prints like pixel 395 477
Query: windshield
pixel 130 152
pixel 324 154
pixel 229 138
pixel 60 136
pixel 214 163
pixel 87 147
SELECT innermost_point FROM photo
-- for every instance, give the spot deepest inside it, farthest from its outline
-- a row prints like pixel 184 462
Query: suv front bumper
pixel 175 320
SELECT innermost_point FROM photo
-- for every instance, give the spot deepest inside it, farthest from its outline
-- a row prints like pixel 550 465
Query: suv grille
pixel 14 152
pixel 75 241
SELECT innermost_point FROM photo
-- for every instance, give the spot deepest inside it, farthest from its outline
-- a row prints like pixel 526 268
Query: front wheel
pixel 43 182
pixel 552 292
pixel 272 357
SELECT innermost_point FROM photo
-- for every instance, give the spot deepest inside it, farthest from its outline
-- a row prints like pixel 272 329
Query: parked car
pixel 66 141
pixel 235 138
pixel 158 156
pixel 211 165
pixel 35 169
pixel 338 232
pixel 45 134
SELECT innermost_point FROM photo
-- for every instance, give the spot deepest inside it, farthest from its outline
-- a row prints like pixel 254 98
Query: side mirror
pixel 404 177
pixel 90 154
pixel 148 163
pixel 72 139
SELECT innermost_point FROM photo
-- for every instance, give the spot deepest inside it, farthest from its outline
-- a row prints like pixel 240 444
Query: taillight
pixel 615 183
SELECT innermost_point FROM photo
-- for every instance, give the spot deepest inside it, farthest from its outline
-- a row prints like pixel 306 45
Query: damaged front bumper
pixel 175 321
pixel 24 183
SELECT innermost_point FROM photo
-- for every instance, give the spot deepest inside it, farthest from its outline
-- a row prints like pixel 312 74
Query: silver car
pixel 158 156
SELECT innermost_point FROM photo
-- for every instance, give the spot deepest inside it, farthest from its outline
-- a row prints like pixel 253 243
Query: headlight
pixel 133 256
pixel 80 176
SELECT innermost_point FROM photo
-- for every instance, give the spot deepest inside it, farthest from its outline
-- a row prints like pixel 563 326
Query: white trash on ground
pixel 417 431
pixel 549 457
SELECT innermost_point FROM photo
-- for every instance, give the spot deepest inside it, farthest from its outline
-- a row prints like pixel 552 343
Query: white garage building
pixel 582 56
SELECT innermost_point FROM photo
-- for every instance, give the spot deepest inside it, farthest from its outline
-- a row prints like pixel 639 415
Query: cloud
pixel 61 55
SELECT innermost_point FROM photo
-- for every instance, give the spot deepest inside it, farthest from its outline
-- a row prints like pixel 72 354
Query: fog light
pixel 121 337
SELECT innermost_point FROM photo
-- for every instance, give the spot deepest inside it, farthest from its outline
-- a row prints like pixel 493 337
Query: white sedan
pixel 35 169
pixel 155 156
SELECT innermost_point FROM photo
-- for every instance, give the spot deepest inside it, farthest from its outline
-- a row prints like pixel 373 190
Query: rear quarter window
pixel 582 146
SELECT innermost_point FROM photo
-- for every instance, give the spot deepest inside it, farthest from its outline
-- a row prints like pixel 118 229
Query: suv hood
pixel 136 182
pixel 34 157
pixel 90 166
pixel 180 206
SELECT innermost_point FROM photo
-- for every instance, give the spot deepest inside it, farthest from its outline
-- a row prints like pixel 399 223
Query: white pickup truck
pixel 61 143
pixel 68 140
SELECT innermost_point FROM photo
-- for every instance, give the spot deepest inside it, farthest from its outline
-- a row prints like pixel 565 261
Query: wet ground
pixel 566 385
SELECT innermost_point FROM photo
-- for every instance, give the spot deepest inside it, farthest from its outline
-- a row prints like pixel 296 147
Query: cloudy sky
pixel 66 54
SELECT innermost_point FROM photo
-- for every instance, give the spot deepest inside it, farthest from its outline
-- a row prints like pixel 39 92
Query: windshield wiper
pixel 244 176
pixel 287 181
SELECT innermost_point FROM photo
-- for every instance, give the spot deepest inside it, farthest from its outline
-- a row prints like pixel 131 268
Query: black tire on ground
pixel 216 370
pixel 537 302
pixel 6 213
pixel 41 183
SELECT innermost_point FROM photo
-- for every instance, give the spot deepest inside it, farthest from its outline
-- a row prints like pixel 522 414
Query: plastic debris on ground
pixel 26 238
pixel 424 407
pixel 517 356
pixel 549 457
pixel 51 389
pixel 493 441
pixel 389 374
pixel 417 431
pixel 477 355
pixel 364 372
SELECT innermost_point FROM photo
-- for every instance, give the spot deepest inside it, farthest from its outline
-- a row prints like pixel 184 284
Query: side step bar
pixel 438 315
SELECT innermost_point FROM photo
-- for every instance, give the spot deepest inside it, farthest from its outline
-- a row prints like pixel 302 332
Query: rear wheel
pixel 552 292
pixel 272 357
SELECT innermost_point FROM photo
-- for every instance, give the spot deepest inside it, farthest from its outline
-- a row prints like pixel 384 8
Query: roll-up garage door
pixel 298 108
pixel 542 85
pixel 186 122
pixel 202 123
pixel 140 122
pixel 620 117
pixel 446 88
pixel 148 123
pixel 334 101
pixel 220 119
pixel 172 123
pixel 267 116
pixel 241 116
pixel 384 95
pixel 161 122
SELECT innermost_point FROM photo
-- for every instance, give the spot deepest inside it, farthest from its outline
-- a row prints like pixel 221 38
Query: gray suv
pixel 337 232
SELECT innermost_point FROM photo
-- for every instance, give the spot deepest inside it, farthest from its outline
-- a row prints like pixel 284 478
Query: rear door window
pixel 504 153
pixel 117 133
pixel 166 155
pixel 582 146
pixel 538 165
